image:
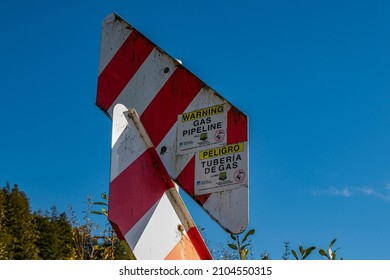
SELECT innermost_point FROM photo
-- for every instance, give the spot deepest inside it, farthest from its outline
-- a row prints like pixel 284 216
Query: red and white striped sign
pixel 201 138
pixel 145 208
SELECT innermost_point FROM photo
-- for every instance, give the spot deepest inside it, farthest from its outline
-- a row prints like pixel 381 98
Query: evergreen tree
pixel 45 237
pixel 64 241
pixel 51 235
pixel 19 225
pixel 54 235
pixel 4 237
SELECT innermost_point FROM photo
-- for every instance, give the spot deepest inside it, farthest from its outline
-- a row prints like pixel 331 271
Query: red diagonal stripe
pixel 158 165
pixel 171 101
pixel 121 68
pixel 187 176
pixel 237 126
pixel 135 191
pixel 199 244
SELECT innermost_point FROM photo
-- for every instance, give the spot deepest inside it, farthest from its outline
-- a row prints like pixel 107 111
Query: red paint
pixel 187 177
pixel 199 244
pixel 158 164
pixel 121 68
pixel 143 183
pixel 201 199
pixel 237 127
pixel 186 180
pixel 171 101
pixel 117 231
pixel 135 191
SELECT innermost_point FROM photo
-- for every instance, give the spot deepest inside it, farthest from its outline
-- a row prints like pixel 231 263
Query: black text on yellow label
pixel 230 149
pixel 218 109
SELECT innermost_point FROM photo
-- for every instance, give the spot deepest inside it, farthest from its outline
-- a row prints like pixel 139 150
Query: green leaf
pixel 252 231
pixel 233 237
pixel 294 254
pixel 331 243
pixel 96 212
pixel 322 253
pixel 307 252
pixel 301 249
pixel 100 203
pixel 234 247
pixel 243 254
pixel 311 248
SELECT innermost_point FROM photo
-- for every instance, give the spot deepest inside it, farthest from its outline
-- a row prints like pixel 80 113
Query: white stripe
pixel 140 127
pixel 173 162
pixel 161 233
pixel 114 34
pixel 134 234
pixel 230 209
pixel 180 208
pixel 206 97
pixel 119 123
pixel 127 143
pixel 146 82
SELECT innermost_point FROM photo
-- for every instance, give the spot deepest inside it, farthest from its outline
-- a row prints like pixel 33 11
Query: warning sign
pixel 221 169
pixel 202 129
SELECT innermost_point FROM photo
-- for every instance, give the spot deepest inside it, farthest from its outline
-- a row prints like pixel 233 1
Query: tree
pixel 113 247
pixel 54 235
pixel 4 237
pixel 18 221
pixel 28 236
pixel 91 242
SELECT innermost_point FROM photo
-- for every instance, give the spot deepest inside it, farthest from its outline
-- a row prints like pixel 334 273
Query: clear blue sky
pixel 313 77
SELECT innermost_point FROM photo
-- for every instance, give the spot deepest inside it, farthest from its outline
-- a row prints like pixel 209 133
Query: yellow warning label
pixel 218 109
pixel 229 149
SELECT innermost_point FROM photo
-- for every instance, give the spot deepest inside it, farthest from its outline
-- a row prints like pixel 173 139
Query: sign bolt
pixel 163 150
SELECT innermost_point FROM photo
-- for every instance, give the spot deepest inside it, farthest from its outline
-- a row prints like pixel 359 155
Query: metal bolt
pixel 166 70
pixel 163 150
pixel 180 228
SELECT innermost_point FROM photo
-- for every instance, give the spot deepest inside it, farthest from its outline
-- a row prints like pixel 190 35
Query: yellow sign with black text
pixel 202 129
pixel 220 169
pixel 203 113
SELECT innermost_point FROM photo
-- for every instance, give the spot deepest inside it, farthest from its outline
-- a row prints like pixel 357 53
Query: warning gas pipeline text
pixel 221 169
pixel 202 129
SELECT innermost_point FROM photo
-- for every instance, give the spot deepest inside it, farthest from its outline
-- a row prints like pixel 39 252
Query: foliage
pixel 265 256
pixel 329 254
pixel 91 242
pixel 116 249
pixel 239 246
pixel 27 236
pixel 3 232
pixel 304 253
pixel 55 235
pixel 18 234
pixel 51 235
pixel 287 250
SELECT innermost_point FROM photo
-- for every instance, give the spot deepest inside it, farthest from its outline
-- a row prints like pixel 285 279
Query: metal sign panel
pixel 202 129
pixel 139 205
pixel 221 169
pixel 182 115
